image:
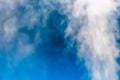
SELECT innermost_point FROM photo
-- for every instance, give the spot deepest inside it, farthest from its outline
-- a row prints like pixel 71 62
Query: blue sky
pixel 51 58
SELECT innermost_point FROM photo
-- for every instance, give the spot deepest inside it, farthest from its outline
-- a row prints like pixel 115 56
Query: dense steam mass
pixel 96 37
pixel 59 39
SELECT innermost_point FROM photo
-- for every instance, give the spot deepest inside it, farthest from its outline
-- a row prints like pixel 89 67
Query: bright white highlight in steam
pixel 96 39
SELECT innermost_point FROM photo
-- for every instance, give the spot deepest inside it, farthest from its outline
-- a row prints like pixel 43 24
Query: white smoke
pixel 13 43
pixel 9 31
pixel 96 36
pixel 92 25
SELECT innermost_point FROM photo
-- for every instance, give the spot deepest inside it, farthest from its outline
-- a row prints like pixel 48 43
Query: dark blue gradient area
pixel 52 59
pixel 118 41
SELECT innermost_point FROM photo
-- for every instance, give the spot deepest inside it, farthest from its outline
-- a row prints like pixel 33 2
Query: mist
pixel 44 31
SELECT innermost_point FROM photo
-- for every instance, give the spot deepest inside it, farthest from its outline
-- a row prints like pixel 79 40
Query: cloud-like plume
pixel 20 20
pixel 93 24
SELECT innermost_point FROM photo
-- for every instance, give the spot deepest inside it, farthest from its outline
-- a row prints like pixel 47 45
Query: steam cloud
pixel 16 17
pixel 93 24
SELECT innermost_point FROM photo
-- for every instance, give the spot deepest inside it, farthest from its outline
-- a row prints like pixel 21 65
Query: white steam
pixel 16 15
pixel 92 25
pixel 96 36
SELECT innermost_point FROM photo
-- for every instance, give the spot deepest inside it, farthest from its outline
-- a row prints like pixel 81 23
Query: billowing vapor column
pixel 96 36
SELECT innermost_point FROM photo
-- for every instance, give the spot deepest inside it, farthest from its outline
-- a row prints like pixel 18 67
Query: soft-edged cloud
pixel 22 29
pixel 96 36
pixel 92 26
pixel 21 21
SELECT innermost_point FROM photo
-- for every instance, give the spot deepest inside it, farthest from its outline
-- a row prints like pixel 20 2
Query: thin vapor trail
pixel 96 36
